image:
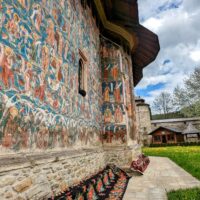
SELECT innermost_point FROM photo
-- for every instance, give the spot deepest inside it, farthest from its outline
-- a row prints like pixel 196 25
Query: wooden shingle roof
pixel 125 14
pixel 191 129
pixel 175 130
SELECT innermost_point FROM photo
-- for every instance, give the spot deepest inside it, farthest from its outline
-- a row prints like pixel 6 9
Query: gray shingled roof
pixel 175 120
pixel 176 130
pixel 190 129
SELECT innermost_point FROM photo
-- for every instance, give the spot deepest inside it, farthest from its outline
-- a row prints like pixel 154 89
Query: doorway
pixel 164 139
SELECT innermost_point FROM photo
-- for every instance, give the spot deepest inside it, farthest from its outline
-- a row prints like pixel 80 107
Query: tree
pixel 192 84
pixel 182 97
pixel 187 98
pixel 163 103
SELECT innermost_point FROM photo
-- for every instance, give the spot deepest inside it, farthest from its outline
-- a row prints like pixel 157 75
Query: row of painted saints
pixel 18 134
pixel 111 71
pixel 109 92
pixel 117 117
pixel 117 81
pixel 109 52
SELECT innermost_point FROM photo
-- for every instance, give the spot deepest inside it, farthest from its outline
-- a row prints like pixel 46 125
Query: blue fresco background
pixel 39 55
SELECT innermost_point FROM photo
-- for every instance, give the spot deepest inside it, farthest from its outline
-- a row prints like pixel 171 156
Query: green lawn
pixel 186 157
pixel 190 194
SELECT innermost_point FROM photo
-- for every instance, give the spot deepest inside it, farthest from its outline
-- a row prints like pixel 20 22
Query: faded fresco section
pixel 117 106
pixel 129 97
pixel 40 107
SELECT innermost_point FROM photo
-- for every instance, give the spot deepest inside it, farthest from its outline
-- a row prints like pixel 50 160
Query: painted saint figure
pixel 45 58
pixel 40 91
pixel 107 115
pixel 6 62
pixel 117 93
pixel 10 130
pixel 13 25
pixel 27 78
pixel 106 94
pixel 114 72
pixel 22 2
pixel 118 115
pixel 66 49
pixel 37 16
pixel 59 42
pixel 106 72
pixel 42 137
pixel 104 52
pixel 50 33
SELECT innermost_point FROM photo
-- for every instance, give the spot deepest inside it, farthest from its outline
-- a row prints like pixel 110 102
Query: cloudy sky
pixel 177 23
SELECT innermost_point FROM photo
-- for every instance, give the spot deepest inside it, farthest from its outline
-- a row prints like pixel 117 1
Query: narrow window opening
pixel 82 74
pixel 84 3
pixel 81 78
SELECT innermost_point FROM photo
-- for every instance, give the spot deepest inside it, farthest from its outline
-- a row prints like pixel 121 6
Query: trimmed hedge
pixel 177 144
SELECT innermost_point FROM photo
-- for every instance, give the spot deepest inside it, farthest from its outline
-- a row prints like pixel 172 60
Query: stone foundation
pixel 38 176
pixel 119 156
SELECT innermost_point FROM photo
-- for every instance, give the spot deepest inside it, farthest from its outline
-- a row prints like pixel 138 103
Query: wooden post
pixel 161 139
pixel 166 138
pixel 185 138
pixel 175 139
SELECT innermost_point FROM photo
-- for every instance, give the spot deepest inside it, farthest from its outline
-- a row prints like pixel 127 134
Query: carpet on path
pixel 108 184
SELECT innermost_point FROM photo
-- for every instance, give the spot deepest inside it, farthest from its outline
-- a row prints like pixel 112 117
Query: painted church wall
pixel 40 107
pixel 130 98
pixel 117 106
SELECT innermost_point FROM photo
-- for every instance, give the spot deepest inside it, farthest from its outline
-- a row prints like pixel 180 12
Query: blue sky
pixel 176 22
pixel 169 5
pixel 146 92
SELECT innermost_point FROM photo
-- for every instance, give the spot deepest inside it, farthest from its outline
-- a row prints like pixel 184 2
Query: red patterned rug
pixel 108 184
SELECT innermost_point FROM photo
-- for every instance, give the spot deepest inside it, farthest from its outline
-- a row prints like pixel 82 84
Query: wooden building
pixel 166 135
pixel 185 129
pixel 191 133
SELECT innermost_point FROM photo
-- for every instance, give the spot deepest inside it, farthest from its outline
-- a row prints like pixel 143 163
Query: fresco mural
pixel 112 92
pixel 40 107
pixel 129 98
pixel 113 109
pixel 128 82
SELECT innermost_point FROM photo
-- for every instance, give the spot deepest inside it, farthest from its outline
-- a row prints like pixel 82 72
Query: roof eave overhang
pixel 162 127
pixel 143 43
pixel 112 27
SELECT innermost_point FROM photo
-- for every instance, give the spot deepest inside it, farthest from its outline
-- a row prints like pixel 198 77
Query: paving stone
pixel 23 185
pixel 161 176
pixel 7 180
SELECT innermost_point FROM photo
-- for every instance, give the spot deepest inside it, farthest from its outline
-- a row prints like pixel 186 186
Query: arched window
pixel 82 75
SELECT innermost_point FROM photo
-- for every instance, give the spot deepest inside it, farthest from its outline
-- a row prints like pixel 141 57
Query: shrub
pixel 177 144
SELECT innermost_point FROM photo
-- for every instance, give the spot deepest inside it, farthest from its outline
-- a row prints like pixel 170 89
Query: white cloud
pixel 153 24
pixel 179 34
pixel 195 56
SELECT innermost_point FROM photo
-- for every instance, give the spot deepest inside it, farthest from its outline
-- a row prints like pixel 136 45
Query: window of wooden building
pixel 157 138
pixel 170 137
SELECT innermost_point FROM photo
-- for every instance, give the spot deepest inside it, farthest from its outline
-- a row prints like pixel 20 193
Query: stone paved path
pixel 162 175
